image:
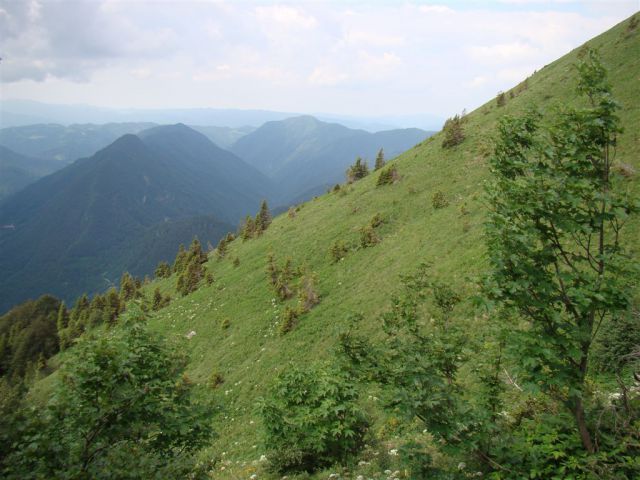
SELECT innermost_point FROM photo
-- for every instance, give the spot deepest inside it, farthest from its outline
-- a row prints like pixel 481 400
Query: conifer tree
pixel 358 170
pixel 113 306
pixel 62 323
pixel 180 260
pixel 221 249
pixel 157 299
pixel 195 251
pixel 380 160
pixel 163 270
pixel 127 287
pixel 263 219
pixel 247 230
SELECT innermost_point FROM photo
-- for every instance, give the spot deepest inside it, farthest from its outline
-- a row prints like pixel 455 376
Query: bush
pixel 311 419
pixel 368 237
pixel 453 131
pixel 289 320
pixel 438 200
pixel 388 176
pixel 358 170
pixel 338 251
pixel 163 270
pixel 501 99
pixel 307 295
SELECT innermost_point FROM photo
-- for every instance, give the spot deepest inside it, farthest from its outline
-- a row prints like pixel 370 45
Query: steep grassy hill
pixel 249 351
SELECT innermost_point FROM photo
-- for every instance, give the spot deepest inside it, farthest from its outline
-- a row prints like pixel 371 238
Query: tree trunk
pixel 585 436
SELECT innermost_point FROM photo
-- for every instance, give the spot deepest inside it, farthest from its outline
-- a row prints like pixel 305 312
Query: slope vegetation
pixel 233 324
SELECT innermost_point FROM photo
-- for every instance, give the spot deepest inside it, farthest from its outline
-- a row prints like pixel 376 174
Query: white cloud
pixel 286 16
pixel 435 9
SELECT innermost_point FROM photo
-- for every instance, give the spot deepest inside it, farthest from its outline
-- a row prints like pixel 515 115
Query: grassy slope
pixel 250 351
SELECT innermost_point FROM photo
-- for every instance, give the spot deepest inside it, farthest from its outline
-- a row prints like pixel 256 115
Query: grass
pixel 251 351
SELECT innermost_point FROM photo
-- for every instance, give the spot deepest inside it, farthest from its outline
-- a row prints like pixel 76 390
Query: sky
pixel 366 58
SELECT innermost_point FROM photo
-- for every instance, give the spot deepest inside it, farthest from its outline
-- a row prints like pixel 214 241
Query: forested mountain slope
pixel 125 208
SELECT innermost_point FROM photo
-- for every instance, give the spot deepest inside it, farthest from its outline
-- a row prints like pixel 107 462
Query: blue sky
pixel 367 58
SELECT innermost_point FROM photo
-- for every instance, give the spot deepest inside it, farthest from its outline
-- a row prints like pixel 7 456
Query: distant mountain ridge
pixel 304 155
pixel 17 171
pixel 125 208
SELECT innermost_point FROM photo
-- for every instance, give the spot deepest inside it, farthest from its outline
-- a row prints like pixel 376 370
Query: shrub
pixel 311 419
pixel 338 251
pixel 236 262
pixel 388 176
pixel 163 270
pixel 368 237
pixel 291 213
pixel 501 99
pixel 215 380
pixel 376 220
pixel 289 320
pixel 307 295
pixel 453 131
pixel 379 160
pixel 358 170
pixel 438 200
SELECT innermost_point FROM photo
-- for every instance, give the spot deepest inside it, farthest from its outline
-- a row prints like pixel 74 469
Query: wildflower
pixel 393 452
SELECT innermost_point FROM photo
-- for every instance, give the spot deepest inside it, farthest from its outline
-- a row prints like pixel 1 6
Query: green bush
pixel 338 251
pixel 453 131
pixel 311 419
pixel 388 176
pixel 438 200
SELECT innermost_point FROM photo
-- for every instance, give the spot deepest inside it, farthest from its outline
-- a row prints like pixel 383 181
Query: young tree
pixel 554 238
pixel 358 170
pixel 263 219
pixel 453 131
pixel 180 260
pixel 123 409
pixel 248 228
pixel 379 160
pixel 163 270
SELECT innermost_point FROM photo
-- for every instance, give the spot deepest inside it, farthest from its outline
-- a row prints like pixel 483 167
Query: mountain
pixel 64 144
pixel 125 208
pixel 236 327
pixel 304 156
pixel 17 171
pixel 224 137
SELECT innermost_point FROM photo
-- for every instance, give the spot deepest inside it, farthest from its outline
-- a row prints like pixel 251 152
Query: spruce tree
pixel 163 270
pixel 180 260
pixel 380 160
pixel 248 228
pixel 263 219
pixel 127 287
pixel 62 322
pixel 358 170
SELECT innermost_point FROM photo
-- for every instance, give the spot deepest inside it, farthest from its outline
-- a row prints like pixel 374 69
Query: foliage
pixel 501 99
pixel 388 176
pixel 26 332
pixel 368 236
pixel 311 419
pixel 338 251
pixel 453 131
pixel 617 340
pixel 358 170
pixel 554 239
pixel 379 160
pixel 308 296
pixel 289 320
pixel 163 270
pixel 438 200
pixel 122 408
pixel 263 218
pixel 159 301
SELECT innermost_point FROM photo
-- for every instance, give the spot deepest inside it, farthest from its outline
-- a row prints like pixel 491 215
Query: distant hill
pixel 125 208
pixel 224 137
pixel 17 171
pixel 64 144
pixel 304 155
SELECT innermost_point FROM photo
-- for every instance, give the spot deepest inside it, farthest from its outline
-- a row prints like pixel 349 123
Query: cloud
pixel 286 16
pixel 435 9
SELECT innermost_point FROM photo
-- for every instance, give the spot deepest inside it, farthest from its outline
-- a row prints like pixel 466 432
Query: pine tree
pixel 380 160
pixel 221 249
pixel 127 287
pixel 247 230
pixel 157 301
pixel 163 270
pixel 358 170
pixel 195 251
pixel 113 306
pixel 62 322
pixel 263 219
pixel 180 260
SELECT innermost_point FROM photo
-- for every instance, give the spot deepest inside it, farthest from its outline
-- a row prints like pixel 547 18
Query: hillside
pixel 17 171
pixel 61 144
pixel 250 351
pixel 304 156
pixel 125 208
